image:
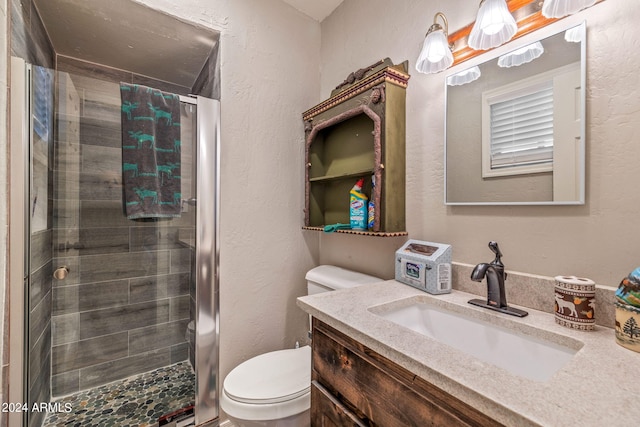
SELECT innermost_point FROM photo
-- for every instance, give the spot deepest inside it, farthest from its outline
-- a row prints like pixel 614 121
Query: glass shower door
pixel 110 303
pixel 114 325
pixel 122 314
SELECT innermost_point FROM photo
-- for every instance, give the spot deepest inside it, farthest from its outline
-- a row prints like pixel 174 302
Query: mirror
pixel 515 134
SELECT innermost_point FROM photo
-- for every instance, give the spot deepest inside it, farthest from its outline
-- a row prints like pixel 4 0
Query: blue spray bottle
pixel 371 210
pixel 358 207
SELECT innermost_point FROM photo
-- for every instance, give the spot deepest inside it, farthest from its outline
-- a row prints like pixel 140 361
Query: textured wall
pixel 269 55
pixel 597 240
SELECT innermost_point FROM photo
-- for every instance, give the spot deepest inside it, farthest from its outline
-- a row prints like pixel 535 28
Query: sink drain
pixel 127 408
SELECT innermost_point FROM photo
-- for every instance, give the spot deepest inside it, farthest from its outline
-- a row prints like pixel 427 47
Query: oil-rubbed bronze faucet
pixel 496 296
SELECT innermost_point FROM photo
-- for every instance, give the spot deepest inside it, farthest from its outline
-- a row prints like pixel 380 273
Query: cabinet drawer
pixel 384 393
pixel 328 411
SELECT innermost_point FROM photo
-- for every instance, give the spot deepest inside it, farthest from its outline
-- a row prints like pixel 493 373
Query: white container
pixel 425 265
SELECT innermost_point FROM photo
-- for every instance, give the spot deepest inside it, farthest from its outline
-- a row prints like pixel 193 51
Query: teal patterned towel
pixel 150 152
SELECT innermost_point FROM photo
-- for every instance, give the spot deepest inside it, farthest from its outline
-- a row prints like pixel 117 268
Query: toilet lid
pixel 272 377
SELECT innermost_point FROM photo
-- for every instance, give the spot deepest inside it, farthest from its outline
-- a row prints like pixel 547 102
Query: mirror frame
pixel 492 55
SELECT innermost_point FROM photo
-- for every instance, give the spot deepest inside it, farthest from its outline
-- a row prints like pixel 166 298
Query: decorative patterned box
pixel 575 302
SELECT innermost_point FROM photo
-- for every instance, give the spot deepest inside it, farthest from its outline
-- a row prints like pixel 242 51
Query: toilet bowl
pixel 273 389
pixel 270 387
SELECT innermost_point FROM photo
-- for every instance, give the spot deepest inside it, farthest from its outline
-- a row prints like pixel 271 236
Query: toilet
pixel 273 389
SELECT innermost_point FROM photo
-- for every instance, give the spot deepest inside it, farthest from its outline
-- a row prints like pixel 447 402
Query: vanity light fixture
pixel 560 8
pixel 436 53
pixel 464 76
pixel 494 25
pixel 521 56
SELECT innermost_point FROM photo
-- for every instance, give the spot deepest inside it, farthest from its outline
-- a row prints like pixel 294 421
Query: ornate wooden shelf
pixel 359 132
pixel 353 174
pixel 363 232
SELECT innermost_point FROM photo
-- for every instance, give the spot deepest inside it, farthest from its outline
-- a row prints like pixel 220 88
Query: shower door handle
pixel 61 273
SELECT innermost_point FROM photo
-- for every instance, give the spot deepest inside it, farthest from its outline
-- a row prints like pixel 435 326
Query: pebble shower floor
pixel 133 402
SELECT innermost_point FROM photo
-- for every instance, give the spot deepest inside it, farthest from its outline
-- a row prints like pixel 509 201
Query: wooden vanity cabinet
pixel 359 132
pixel 353 385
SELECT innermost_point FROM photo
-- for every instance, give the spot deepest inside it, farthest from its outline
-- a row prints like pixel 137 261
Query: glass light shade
pixel 521 56
pixel 573 35
pixel 435 55
pixel 494 25
pixel 560 8
pixel 464 76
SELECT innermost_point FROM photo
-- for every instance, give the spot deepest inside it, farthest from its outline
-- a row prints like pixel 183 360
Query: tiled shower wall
pixel 126 302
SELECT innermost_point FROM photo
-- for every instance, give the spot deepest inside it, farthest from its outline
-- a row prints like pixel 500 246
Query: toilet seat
pixel 270 385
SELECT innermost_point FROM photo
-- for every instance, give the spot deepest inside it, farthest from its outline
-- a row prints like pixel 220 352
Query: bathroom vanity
pixel 360 376
pixel 370 367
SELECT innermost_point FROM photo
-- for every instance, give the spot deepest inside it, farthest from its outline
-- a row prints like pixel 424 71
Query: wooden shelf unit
pixel 359 132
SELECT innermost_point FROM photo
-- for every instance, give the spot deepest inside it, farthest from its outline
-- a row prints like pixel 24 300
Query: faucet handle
pixel 496 250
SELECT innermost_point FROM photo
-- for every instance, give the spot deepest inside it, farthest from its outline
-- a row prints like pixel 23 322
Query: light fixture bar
pixel 528 17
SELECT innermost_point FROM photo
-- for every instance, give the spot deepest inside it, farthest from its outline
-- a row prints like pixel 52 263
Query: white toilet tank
pixel 326 278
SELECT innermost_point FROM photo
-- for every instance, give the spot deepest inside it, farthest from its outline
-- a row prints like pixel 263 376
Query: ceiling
pixel 316 9
pixel 117 33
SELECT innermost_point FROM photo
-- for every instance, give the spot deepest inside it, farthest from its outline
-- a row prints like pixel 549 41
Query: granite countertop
pixel 598 386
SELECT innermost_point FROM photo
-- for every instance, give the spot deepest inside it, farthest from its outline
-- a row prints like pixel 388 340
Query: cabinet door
pixel 328 411
pixel 384 393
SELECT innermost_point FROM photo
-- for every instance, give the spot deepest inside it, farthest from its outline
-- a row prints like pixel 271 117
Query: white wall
pixel 270 75
pixel 3 178
pixel 598 240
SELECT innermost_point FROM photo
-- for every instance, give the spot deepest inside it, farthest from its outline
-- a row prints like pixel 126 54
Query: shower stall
pixel 120 317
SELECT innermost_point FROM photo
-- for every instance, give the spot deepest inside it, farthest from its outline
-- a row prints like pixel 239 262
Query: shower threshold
pixel 138 401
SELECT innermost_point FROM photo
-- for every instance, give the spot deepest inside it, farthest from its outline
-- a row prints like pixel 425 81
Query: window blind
pixel 522 129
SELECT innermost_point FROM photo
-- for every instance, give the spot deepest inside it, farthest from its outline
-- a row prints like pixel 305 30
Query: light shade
pixel 521 56
pixel 435 55
pixel 560 8
pixel 573 35
pixel 494 25
pixel 464 76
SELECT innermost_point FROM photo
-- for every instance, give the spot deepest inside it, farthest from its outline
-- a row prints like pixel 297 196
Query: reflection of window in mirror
pixel 519 124
pixel 530 126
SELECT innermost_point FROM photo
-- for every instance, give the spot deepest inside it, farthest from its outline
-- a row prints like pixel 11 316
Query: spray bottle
pixel 358 207
pixel 371 209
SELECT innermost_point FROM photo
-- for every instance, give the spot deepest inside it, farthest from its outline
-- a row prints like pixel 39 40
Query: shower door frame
pixel 207 407
pixel 207 247
pixel 19 227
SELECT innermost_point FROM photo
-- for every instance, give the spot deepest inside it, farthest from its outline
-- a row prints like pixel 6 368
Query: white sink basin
pixel 518 353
